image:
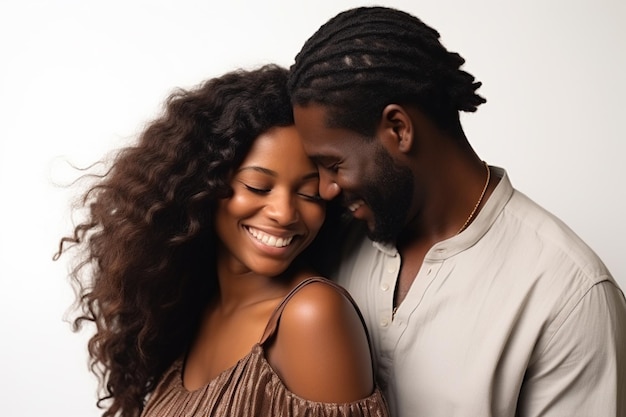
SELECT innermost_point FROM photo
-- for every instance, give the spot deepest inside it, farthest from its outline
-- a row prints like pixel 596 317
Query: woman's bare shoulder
pixel 321 351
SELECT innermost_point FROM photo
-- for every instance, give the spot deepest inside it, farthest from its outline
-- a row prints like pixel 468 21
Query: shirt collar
pixel 481 224
pixel 386 248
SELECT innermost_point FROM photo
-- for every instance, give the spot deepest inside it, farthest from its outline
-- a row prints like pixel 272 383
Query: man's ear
pixel 396 129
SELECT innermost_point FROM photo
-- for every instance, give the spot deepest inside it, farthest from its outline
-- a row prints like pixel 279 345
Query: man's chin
pixel 381 236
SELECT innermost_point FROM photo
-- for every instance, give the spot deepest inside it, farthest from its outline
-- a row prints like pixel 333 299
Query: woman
pixel 196 274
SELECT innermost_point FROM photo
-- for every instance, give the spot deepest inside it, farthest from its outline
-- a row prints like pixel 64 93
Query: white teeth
pixel 269 240
pixel 354 206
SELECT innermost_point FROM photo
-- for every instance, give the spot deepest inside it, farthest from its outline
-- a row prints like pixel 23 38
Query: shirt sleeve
pixel 582 369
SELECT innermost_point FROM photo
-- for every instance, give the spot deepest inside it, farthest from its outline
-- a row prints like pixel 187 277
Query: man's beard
pixel 389 197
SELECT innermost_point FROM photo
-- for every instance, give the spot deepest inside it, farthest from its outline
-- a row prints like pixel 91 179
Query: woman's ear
pixel 396 129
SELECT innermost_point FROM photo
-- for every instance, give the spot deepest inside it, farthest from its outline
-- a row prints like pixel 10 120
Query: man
pixel 479 302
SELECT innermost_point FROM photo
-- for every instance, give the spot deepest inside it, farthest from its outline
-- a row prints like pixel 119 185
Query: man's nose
pixel 329 189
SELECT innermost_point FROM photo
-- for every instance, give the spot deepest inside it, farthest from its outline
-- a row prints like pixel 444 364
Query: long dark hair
pixel 147 245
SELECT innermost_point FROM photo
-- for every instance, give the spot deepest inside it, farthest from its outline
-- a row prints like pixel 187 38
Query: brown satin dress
pixel 251 388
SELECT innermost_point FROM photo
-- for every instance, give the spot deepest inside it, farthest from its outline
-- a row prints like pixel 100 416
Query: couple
pixel 205 242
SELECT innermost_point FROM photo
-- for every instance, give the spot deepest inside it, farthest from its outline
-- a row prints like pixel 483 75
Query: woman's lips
pixel 269 239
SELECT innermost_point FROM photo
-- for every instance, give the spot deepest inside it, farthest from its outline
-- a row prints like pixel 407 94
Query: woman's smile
pixel 269 239
pixel 275 211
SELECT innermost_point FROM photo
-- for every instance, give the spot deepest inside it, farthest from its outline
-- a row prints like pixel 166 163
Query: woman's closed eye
pixel 255 189
pixel 311 193
pixel 311 196
pixel 309 190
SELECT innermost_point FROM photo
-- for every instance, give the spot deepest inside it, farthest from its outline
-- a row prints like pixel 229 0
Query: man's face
pixel 359 171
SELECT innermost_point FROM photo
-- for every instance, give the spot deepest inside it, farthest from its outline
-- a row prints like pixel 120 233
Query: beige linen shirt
pixel 515 316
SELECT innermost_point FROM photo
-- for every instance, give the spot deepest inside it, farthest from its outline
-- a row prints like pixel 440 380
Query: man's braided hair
pixel 366 58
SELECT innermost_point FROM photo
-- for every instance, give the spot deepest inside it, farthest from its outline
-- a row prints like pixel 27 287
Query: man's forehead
pixel 311 114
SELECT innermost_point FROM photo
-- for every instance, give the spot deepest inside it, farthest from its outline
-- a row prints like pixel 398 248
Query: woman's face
pixel 275 210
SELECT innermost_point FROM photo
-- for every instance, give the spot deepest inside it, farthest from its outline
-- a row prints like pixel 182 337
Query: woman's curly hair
pixel 147 268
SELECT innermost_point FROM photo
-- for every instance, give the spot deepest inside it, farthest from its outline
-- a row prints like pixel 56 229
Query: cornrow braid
pixel 368 57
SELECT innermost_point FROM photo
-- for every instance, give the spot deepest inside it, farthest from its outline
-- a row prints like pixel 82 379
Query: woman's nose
pixel 283 209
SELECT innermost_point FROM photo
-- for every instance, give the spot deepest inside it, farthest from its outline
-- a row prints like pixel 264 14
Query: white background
pixel 79 78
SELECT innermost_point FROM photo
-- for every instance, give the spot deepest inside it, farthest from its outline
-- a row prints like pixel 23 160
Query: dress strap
pixel 272 324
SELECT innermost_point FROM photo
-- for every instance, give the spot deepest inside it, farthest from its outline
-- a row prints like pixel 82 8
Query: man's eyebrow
pixel 311 176
pixel 322 158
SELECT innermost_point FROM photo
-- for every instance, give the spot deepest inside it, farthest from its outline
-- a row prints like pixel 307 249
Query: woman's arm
pixel 321 351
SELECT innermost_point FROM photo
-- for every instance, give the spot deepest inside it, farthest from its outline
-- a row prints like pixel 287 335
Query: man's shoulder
pixel 545 237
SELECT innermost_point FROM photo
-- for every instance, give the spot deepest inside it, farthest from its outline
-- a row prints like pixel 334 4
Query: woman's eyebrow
pixel 259 169
pixel 266 171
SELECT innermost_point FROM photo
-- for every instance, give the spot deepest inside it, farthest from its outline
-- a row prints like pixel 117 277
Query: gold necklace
pixel 480 200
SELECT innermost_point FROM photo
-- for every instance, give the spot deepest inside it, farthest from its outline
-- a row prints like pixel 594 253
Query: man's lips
pixel 354 206
pixel 269 239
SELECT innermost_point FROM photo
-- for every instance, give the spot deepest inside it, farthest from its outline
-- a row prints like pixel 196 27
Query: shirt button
pixel 384 286
pixel 391 269
pixel 429 271
pixel 384 323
